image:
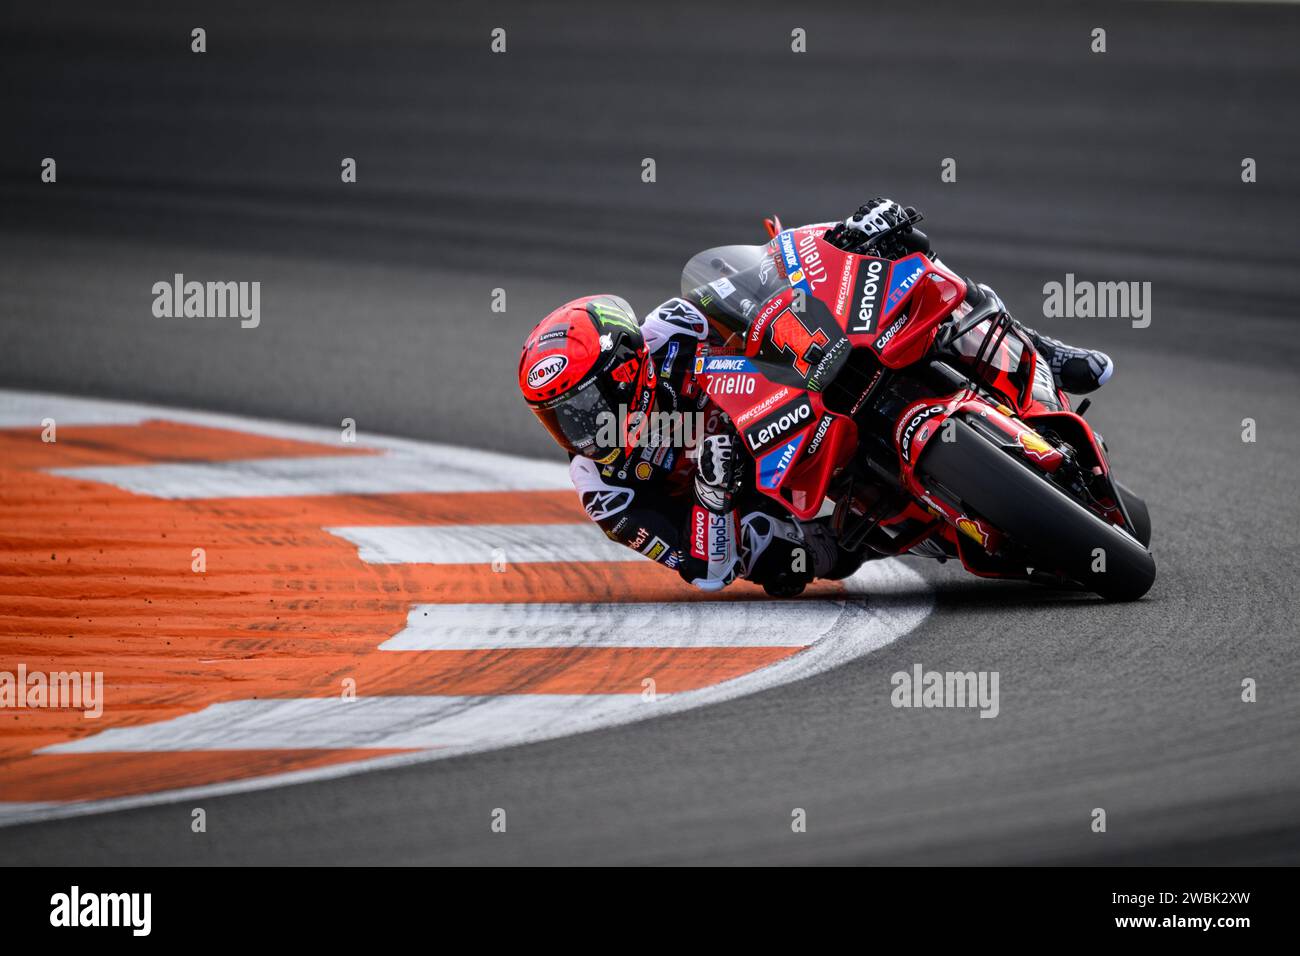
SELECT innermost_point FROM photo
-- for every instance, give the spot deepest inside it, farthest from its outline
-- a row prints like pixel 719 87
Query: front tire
pixel 1055 530
pixel 1137 510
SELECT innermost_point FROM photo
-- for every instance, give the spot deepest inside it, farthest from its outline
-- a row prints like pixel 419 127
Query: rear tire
pixel 1057 532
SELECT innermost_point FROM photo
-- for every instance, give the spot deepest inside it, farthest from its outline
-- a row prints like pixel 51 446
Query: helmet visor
pixel 585 423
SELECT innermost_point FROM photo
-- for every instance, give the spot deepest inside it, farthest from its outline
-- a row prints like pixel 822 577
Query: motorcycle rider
pixel 659 468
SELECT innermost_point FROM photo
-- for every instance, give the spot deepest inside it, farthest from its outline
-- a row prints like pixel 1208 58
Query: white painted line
pixel 899 600
pixel 369 722
pixel 470 627
pixel 416 465
pixel 29 409
pixel 388 473
pixel 891 600
pixel 474 544
pixel 18 812
pixel 455 724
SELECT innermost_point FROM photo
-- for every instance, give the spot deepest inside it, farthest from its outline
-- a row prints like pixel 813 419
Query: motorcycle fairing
pixel 788 315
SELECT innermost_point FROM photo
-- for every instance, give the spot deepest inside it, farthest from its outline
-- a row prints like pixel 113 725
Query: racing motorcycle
pixel 905 398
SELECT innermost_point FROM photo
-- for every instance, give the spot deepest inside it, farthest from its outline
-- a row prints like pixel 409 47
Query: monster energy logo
pixel 613 315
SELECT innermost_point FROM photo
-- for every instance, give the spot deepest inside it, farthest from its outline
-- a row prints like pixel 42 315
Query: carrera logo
pixel 905 443
pixel 889 333
pixel 699 532
pixel 545 370
pixel 779 424
pixel 822 427
pixel 868 295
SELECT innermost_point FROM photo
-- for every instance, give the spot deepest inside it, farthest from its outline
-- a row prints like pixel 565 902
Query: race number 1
pixel 789 334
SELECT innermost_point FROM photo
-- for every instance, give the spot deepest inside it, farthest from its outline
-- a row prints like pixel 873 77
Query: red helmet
pixel 581 366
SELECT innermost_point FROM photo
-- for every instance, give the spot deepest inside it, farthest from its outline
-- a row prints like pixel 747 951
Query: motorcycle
pixel 905 400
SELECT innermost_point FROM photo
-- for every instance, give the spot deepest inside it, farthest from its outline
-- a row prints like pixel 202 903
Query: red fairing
pixel 827 361
pixel 770 382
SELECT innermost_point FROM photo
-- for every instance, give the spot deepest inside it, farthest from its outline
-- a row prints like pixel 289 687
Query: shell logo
pixel 971 529
pixel 1035 445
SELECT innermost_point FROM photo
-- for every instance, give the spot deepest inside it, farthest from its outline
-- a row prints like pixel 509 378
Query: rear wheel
pixel 1056 532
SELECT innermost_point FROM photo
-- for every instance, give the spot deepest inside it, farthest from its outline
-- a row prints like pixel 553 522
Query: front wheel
pixel 1055 530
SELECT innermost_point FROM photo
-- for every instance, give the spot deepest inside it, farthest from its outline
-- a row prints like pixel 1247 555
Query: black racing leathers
pixel 646 500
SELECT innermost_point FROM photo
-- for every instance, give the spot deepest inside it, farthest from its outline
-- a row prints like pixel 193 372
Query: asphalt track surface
pixel 522 172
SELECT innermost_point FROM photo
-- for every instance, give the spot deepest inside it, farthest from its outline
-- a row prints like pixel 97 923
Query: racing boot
pixel 1078 371
pixel 836 563
pixel 803 552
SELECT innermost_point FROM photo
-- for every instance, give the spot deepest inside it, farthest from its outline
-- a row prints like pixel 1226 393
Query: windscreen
pixel 729 284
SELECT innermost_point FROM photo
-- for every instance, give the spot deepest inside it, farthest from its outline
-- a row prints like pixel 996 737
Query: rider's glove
pixel 718 472
pixel 711 556
pixel 880 227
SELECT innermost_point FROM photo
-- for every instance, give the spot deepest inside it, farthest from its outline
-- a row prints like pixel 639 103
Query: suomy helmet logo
pixel 546 369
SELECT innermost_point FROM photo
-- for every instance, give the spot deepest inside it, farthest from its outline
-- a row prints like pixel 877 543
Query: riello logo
pixel 546 369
